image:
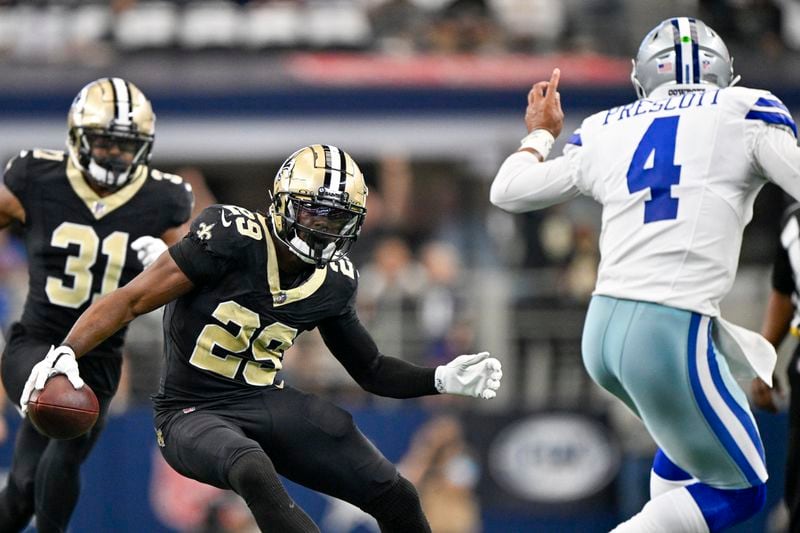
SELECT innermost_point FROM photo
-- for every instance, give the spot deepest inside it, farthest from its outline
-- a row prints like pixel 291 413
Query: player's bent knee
pixel 398 508
pixel 252 473
pixel 724 508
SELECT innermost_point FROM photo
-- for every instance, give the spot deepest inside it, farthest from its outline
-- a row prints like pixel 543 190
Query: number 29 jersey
pixel 78 243
pixel 677 178
pixel 226 337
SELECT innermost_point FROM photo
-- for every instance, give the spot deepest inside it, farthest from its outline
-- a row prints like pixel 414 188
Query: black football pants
pixel 45 473
pixel 305 438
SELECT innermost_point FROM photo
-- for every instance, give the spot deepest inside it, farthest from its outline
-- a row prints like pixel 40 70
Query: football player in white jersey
pixel 677 172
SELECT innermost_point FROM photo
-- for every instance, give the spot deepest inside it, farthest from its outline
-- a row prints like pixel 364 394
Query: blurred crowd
pixel 94 31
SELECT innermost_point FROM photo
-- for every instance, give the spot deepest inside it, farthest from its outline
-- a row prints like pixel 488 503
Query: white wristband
pixel 539 140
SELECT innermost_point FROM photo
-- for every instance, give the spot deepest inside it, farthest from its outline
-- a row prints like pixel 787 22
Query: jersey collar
pixel 280 296
pixel 100 206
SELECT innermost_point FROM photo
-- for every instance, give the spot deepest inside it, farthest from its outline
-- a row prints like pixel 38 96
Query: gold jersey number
pixel 79 267
pixel 267 347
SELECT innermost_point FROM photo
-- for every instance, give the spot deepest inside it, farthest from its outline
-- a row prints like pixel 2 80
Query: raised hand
pixel 544 106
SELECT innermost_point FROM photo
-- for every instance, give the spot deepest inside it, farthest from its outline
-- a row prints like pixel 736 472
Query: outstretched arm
pixel 470 375
pixel 161 283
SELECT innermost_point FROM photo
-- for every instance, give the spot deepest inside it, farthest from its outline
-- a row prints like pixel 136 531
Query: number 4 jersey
pixel 227 336
pixel 78 243
pixel 677 178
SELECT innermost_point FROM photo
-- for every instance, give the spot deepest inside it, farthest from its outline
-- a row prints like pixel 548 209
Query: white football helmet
pixel 318 203
pixel 110 111
pixel 682 52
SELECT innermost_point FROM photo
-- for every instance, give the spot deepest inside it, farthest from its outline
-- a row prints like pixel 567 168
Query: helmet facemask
pixel 318 203
pixel 112 171
pixel 317 231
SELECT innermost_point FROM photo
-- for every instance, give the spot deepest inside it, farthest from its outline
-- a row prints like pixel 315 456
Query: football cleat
pixel 110 113
pixel 318 203
pixel 679 52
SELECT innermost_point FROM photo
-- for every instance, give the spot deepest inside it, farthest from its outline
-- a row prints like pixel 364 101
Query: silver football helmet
pixel 679 52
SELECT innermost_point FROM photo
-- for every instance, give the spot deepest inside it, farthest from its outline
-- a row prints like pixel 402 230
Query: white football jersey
pixel 677 178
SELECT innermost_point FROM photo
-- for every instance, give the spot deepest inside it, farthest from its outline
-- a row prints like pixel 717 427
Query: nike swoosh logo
pixel 225 222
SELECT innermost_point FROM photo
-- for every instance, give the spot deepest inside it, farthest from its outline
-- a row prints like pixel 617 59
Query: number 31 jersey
pixel 677 178
pixel 78 243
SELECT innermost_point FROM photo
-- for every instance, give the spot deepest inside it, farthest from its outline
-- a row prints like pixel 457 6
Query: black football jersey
pixel 78 243
pixel 227 336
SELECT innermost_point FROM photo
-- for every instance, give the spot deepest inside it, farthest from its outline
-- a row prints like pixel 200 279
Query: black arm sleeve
pixel 379 374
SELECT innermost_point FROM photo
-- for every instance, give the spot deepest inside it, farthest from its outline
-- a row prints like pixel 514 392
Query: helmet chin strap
pixel 108 177
pixel 302 250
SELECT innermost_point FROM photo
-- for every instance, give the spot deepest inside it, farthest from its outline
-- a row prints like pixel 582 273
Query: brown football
pixel 61 411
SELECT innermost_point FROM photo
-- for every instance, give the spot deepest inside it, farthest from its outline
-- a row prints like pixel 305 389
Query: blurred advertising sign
pixel 544 461
pixel 461 70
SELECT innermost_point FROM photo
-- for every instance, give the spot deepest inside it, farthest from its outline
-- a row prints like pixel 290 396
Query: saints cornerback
pixel 318 206
pixel 677 172
pixel 239 288
pixel 92 217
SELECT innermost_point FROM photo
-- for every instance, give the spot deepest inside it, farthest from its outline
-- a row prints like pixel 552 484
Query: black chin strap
pixel 318 247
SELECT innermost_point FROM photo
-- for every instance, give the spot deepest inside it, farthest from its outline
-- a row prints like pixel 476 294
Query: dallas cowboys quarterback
pixel 677 172
pixel 93 217
pixel 240 287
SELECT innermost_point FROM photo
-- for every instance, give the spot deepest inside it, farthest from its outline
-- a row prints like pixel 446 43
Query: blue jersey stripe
pixel 716 424
pixel 766 102
pixel 773 118
pixel 676 35
pixel 735 408
pixel 575 139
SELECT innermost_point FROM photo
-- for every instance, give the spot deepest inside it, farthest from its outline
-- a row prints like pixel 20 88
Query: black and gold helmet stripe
pixel 122 101
pixel 336 168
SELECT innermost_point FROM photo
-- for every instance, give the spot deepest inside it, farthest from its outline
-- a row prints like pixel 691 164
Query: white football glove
pixel 148 249
pixel 475 375
pixel 59 360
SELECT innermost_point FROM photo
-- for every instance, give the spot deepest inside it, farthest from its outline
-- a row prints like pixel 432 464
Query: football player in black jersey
pixel 92 219
pixel 239 288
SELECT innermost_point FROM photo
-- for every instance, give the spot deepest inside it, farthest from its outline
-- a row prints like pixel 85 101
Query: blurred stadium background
pixel 428 96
